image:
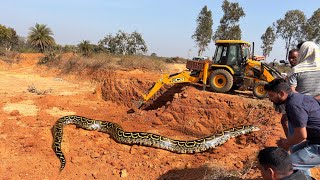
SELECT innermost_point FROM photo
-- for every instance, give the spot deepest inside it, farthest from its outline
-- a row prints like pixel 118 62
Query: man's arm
pixel 293 82
pixel 284 123
pixel 299 135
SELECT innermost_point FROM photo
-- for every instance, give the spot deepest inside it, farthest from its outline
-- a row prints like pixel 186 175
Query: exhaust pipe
pixel 252 51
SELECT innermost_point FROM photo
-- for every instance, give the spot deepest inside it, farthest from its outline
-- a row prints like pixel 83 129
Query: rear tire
pixel 220 81
pixel 259 91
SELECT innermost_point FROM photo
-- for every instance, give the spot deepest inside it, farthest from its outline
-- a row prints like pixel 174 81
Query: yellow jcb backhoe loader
pixel 233 66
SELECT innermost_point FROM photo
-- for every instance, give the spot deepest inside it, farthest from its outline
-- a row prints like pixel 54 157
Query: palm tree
pixel 40 37
pixel 85 47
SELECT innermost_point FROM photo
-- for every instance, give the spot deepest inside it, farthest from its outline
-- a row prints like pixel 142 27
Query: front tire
pixel 220 81
pixel 259 91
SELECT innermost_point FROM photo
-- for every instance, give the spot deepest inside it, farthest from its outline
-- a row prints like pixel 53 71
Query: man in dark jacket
pixel 275 164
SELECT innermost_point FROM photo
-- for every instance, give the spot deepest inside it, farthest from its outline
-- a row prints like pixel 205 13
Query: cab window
pixel 232 55
pixel 245 51
pixel 221 55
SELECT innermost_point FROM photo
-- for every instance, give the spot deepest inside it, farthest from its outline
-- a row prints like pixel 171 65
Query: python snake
pixel 143 138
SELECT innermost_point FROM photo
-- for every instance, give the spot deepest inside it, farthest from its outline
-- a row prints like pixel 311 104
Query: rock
pixel 184 95
pixel 238 164
pixel 123 173
pixel 150 166
pixel 199 99
pixel 176 96
pixel 94 155
pixel 133 149
pixel 14 113
pixel 73 160
pixel 188 165
pixel 95 175
pixel 178 165
pixel 114 172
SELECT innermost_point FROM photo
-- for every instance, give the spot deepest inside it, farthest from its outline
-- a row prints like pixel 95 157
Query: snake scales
pixel 143 138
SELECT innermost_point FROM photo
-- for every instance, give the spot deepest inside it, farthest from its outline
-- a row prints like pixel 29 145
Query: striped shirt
pixel 307 83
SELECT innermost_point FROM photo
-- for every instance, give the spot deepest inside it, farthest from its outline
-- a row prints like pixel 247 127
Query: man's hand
pixel 283 143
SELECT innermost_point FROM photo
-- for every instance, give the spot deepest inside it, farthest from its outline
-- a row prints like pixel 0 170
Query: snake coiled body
pixel 143 138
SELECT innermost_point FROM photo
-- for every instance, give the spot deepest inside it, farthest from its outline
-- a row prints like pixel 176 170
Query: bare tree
pixel 312 27
pixel 229 27
pixel 290 28
pixel 203 33
pixel 124 43
pixel 268 39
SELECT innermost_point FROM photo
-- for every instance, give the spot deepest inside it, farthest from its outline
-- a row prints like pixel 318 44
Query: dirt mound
pixel 201 110
pixel 185 112
pixel 125 89
pixel 181 112
pixel 121 91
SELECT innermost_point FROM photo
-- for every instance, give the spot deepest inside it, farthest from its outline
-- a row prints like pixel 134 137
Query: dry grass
pixel 75 63
pixel 9 57
pixel 141 62
pixel 218 172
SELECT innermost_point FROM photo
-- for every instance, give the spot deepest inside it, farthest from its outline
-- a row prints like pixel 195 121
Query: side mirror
pixel 283 62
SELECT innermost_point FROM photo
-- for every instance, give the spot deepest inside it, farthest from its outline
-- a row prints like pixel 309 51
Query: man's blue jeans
pixel 305 156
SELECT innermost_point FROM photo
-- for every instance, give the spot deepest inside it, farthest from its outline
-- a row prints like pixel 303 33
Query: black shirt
pixel 297 175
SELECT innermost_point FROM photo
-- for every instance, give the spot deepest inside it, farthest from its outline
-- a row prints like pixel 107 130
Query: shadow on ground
pixel 202 173
pixel 168 95
pixel 165 97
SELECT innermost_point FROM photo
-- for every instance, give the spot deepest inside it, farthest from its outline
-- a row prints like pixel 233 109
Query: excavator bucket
pixel 136 106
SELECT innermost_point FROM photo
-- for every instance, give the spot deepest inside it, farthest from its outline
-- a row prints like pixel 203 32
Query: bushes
pixel 70 62
pixel 49 56
pixel 9 56
pixel 74 63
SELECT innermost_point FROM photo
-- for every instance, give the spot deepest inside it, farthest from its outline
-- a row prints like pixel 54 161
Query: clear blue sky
pixel 166 25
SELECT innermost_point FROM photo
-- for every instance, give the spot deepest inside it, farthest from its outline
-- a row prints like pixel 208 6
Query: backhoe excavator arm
pixel 260 71
pixel 181 77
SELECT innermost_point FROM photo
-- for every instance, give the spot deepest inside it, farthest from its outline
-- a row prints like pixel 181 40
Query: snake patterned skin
pixel 143 138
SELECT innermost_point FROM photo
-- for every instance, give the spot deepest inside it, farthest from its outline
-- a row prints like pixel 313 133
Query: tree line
pixel 40 39
pixel 229 27
pixel 292 28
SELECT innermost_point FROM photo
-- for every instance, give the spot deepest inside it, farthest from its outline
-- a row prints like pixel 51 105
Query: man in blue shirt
pixel 303 113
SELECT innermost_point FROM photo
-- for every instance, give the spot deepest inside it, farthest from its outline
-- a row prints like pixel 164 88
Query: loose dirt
pixel 183 112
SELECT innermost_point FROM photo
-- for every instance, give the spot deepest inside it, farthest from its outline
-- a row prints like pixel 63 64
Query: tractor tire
pixel 220 81
pixel 259 91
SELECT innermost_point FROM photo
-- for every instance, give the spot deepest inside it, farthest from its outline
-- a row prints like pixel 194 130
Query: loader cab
pixel 232 53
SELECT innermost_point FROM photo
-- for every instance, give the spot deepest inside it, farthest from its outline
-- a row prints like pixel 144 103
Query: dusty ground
pixel 182 112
